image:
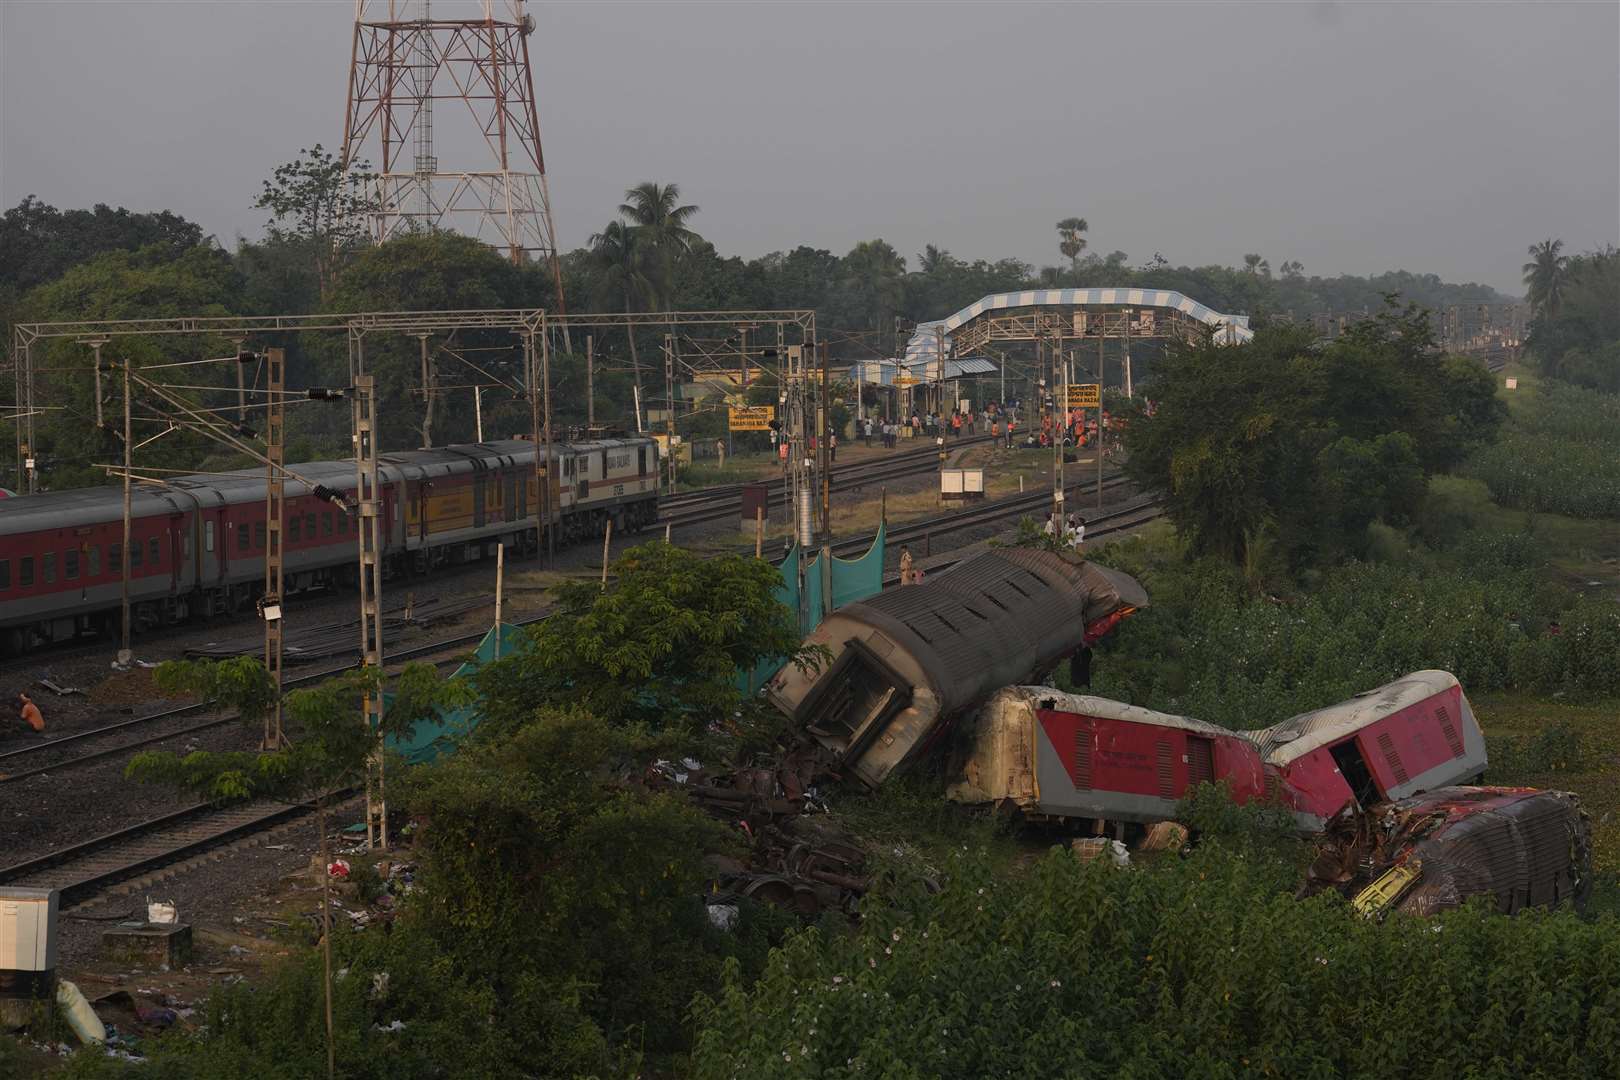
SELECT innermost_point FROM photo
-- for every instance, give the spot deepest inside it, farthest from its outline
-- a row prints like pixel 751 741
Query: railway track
pixel 81 870
pixel 718 504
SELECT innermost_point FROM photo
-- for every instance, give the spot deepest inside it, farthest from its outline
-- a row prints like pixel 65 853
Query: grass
pixel 1579 550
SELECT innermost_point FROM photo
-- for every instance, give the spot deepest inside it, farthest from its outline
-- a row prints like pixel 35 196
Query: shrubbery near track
pixel 1202 967
pixel 1560 454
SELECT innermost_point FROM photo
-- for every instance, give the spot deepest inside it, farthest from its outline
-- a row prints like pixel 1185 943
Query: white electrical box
pixel 27 937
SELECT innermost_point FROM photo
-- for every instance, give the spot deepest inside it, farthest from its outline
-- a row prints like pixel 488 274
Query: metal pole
pixel 1101 381
pixel 96 346
pixel 825 457
pixel 478 410
pixel 124 652
pixel 500 581
pixel 1129 390
pixel 554 483
pixel 274 516
pixel 369 495
pixel 669 405
pixel 531 373
pixel 427 395
pixel 590 381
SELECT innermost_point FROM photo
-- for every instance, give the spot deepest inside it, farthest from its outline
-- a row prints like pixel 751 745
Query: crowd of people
pixel 1000 420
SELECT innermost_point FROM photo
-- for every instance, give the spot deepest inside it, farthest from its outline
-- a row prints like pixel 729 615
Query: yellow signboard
pixel 905 380
pixel 1084 395
pixel 752 417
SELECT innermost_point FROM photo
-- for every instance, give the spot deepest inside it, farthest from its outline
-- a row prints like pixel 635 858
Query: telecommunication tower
pixel 404 59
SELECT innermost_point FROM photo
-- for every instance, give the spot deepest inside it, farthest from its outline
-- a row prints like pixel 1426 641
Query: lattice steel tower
pixel 404 60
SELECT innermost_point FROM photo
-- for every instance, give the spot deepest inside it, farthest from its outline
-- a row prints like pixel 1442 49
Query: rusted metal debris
pixel 1420 855
pixel 794 860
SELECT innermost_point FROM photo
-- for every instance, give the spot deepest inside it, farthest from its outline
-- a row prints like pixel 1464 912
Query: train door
pixel 179 548
pixel 1357 776
pixel 510 500
pixel 478 494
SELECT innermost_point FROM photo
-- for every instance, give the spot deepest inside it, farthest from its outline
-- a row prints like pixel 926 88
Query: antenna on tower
pixel 405 58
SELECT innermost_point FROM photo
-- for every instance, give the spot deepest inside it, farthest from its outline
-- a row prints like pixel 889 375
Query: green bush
pixel 1198 968
pixel 1208 647
pixel 1560 454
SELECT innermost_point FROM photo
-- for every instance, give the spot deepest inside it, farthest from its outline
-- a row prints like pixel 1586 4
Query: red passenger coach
pixel 1055 755
pixel 1415 734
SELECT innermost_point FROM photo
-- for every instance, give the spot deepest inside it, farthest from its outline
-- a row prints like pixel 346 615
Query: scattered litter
pixel 237 950
pixel 223 971
pixel 379 983
pixel 277 847
pixel 161 913
pixel 78 1013
pixel 722 916
pixel 357 829
pixel 155 1015
pixel 1164 836
pixel 57 688
pixel 1089 848
pixel 339 869
pixel 397 1025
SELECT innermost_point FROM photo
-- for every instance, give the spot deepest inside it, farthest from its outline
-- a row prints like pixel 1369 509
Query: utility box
pixel 27 942
pixel 961 485
pixel 756 503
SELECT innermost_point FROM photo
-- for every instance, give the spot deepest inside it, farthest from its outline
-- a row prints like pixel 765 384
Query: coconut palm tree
pixel 621 284
pixel 1070 242
pixel 1544 276
pixel 655 212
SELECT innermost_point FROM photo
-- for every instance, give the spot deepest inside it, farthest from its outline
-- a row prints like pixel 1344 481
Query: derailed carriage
pixel 909 660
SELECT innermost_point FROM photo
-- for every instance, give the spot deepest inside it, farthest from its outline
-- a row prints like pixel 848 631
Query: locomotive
pixel 1056 756
pixel 197 542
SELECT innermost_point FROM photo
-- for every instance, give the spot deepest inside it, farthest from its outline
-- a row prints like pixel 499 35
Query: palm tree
pixel 1070 242
pixel 874 273
pixel 655 212
pixel 1544 276
pixel 622 283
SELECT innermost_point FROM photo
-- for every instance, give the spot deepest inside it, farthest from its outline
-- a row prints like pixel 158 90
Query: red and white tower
pixel 404 60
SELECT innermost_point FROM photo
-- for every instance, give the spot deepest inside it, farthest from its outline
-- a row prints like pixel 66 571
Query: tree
pixel 1070 242
pixel 1282 441
pixel 622 283
pixel 1257 265
pixel 1578 338
pixel 328 749
pixel 662 235
pixel 871 286
pixel 662 646
pixel 41 243
pixel 436 271
pixel 318 205
pixel 1544 276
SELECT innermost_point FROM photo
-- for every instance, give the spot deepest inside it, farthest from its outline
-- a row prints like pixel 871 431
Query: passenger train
pixel 198 541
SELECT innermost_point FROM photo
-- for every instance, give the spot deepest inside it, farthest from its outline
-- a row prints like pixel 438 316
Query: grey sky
pixel 1355 137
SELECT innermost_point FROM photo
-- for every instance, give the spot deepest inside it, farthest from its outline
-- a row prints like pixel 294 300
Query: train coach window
pixel 208 536
pixel 134 554
pixel 309 526
pixel 326 523
pixel 70 564
pixel 47 563
pixel 343 522
pixel 259 530
pixel 154 552
pixel 115 558
pixel 5 574
pixel 243 538
pixel 292 528
pixel 94 569
pixel 25 572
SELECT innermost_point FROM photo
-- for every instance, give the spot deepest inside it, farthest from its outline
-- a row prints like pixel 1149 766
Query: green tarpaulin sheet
pixel 852 580
pixel 429 739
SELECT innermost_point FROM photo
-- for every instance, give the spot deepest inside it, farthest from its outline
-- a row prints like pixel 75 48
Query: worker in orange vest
pixel 30 713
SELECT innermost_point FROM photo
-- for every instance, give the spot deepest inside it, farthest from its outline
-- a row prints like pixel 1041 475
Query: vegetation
pixel 1279 445
pixel 1576 333
pixel 1202 967
pixel 662 647
pixel 1560 453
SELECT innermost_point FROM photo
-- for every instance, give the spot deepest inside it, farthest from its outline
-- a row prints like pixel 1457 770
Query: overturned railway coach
pixel 909 660
pixel 197 542
pixel 1056 756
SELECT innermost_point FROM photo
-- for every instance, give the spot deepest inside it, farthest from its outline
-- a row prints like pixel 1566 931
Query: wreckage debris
pixel 1520 847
